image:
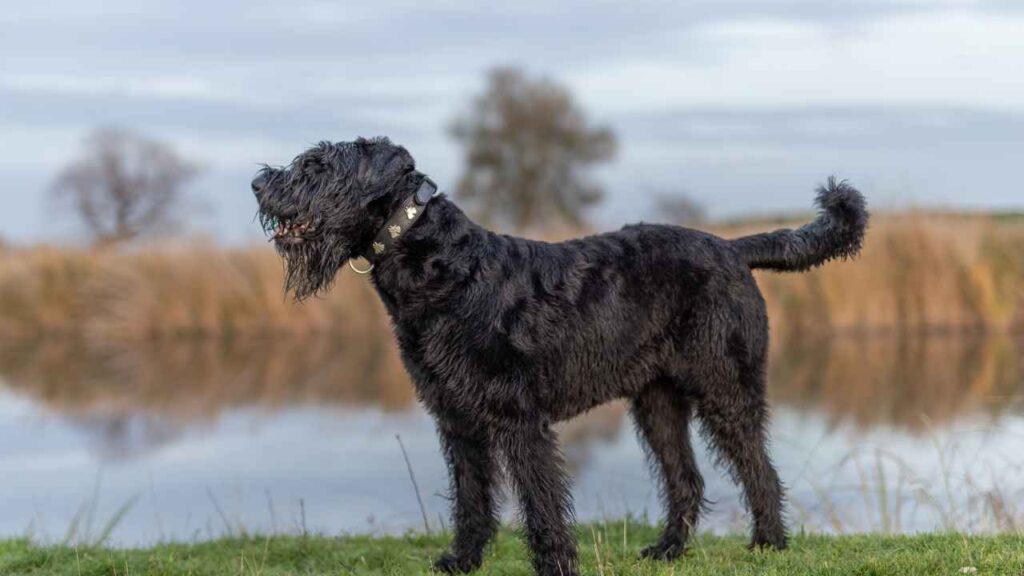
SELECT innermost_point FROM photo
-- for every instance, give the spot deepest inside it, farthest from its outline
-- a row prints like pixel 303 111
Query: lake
pixel 190 440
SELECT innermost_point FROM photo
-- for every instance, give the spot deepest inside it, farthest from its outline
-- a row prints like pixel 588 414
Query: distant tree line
pixel 528 153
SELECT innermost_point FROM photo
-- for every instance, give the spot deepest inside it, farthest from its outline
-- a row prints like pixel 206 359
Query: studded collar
pixel 401 221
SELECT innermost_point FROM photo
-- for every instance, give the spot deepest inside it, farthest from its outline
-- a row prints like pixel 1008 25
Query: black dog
pixel 504 336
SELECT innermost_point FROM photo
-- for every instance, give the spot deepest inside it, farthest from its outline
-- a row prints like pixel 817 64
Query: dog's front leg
pixel 537 473
pixel 472 472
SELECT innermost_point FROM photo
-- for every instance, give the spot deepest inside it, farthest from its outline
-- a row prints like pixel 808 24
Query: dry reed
pixel 917 274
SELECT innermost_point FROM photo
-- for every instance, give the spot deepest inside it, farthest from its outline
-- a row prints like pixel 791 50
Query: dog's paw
pixel 664 550
pixel 556 565
pixel 556 571
pixel 449 563
pixel 768 543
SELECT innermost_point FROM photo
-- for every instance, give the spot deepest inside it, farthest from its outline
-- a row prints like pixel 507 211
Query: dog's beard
pixel 310 266
pixel 311 254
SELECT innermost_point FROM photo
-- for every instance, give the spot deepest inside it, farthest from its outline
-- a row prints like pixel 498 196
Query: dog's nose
pixel 259 183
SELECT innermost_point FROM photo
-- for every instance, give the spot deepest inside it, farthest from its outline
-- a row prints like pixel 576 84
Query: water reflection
pixel 190 380
pixel 916 383
pixel 906 382
pixel 231 428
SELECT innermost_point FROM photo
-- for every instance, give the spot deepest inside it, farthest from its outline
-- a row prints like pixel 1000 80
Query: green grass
pixel 606 549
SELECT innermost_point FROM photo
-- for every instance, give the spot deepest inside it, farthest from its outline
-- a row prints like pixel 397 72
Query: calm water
pixel 200 439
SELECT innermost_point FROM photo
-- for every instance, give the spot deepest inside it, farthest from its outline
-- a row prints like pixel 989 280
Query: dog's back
pixel 588 320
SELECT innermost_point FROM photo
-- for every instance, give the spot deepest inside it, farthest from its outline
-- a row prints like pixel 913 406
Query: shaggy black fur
pixel 505 336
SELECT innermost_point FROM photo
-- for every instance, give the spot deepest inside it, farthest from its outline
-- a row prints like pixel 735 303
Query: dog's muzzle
pixel 259 184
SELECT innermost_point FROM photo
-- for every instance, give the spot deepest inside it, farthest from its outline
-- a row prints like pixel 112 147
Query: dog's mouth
pixel 292 232
pixel 312 253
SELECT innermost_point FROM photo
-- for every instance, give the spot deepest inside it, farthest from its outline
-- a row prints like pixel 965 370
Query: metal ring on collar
pixel 358 271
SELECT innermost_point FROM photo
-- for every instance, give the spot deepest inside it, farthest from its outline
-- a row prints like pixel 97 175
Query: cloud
pixel 174 87
pixel 720 96
pixel 948 58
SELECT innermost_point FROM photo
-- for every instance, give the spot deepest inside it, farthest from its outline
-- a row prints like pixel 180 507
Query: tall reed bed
pixel 918 273
pixel 188 290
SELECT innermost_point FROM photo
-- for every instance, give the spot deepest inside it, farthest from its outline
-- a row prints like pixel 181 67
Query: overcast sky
pixel 743 104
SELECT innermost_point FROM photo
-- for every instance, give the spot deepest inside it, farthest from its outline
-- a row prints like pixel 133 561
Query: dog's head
pixel 327 206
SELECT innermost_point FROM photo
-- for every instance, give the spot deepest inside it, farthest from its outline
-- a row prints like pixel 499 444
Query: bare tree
pixel 527 147
pixel 124 185
pixel 679 208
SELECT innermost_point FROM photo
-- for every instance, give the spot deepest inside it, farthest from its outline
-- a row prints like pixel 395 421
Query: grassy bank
pixel 918 273
pixel 606 549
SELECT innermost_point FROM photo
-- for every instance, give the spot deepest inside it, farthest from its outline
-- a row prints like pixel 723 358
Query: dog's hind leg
pixel 734 416
pixel 472 472
pixel 536 470
pixel 662 414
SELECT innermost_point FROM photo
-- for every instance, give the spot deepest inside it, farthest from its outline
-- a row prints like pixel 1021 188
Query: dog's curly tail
pixel 838 232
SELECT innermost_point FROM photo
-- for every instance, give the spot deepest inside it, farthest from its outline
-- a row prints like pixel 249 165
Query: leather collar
pixel 401 221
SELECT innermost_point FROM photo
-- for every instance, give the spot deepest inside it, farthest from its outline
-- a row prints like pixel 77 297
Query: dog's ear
pixel 365 173
pixel 371 185
pixel 381 167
